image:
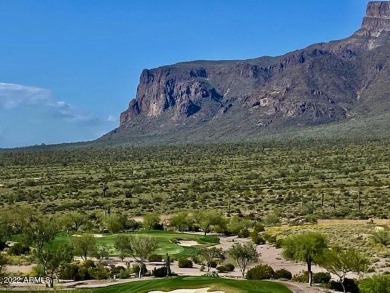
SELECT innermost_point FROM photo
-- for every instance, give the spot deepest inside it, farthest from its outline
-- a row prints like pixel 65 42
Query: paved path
pixel 301 288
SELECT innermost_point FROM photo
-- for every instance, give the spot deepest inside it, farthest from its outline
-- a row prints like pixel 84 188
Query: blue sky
pixel 68 68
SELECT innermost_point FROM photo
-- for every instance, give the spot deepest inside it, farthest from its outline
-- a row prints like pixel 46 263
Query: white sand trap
pixel 203 290
pixel 187 243
pixel 94 235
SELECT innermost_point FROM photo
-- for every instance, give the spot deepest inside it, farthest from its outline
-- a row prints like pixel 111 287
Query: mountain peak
pixel 377 18
pixel 325 83
pixel 378 9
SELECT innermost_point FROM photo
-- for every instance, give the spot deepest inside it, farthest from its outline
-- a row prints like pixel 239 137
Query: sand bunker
pixel 203 290
pixel 94 235
pixel 187 243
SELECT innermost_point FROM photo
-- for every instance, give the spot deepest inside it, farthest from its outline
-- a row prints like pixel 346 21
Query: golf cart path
pixel 301 288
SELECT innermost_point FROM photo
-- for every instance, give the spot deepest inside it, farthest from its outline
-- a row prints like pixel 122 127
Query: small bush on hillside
pixel 258 228
pixel 269 238
pixel 185 263
pixel 279 243
pixel 19 249
pixel 244 233
pixel 283 274
pixel 257 239
pixel 260 272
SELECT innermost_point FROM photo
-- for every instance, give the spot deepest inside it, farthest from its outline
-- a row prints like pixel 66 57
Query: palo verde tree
pixel 341 262
pixel 208 255
pixel 207 219
pixel 182 221
pixel 52 258
pixel 140 247
pixel 74 220
pixel 41 231
pixel 151 221
pixel 84 246
pixel 122 244
pixel 243 254
pixel 307 247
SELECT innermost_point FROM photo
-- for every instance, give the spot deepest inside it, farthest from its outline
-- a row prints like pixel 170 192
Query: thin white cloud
pixel 31 115
pixel 15 95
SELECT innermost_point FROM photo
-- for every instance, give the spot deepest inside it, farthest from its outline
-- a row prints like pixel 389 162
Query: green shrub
pixel 375 284
pixel 123 274
pixel 269 238
pixel 2 245
pixel 229 267
pixel 19 249
pixel 321 278
pixel 244 233
pixel 185 263
pixel 302 277
pixel 73 271
pixel 283 274
pixel 160 272
pixel 135 269
pixel 260 272
pixel 155 258
pixel 99 272
pixel 257 239
pixel 213 264
pixel 222 269
pixel 279 243
pixel 349 284
pixel 120 272
pixel 258 228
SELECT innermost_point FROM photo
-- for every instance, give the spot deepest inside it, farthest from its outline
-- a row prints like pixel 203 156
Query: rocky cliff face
pixel 320 84
pixel 377 18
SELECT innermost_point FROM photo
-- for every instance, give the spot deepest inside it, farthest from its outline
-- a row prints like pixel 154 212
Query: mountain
pixel 329 87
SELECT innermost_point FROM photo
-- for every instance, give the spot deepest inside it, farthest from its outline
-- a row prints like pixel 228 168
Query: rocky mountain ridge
pixel 321 84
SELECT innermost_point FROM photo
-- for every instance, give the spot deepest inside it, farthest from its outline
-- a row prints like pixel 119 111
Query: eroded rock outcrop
pixel 323 83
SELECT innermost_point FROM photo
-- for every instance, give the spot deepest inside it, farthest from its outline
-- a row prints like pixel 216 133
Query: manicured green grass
pixel 215 284
pixel 226 285
pixel 166 243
